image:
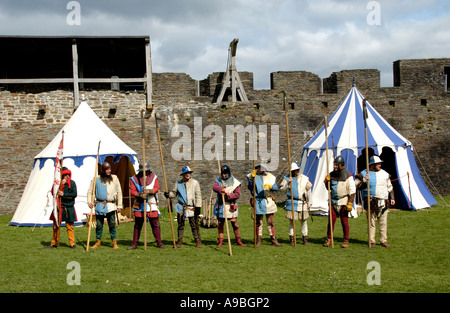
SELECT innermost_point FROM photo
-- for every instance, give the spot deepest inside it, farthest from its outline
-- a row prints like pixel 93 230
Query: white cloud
pixel 192 36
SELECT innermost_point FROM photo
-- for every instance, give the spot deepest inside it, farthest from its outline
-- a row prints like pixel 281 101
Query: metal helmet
pixel 339 160
pixel 225 169
pixel 105 165
pixel 147 167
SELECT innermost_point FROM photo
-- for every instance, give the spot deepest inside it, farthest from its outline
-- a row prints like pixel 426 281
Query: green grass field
pixel 418 261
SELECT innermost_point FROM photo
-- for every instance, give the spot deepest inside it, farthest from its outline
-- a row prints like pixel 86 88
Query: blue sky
pixel 192 36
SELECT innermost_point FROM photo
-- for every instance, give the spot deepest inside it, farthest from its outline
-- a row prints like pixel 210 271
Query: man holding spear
pixel 230 188
pixel 265 204
pixel 343 192
pixel 149 193
pixel 187 191
pixel 380 191
pixel 108 199
pixel 298 209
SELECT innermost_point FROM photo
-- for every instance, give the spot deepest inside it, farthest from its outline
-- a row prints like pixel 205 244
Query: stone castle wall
pixel 417 106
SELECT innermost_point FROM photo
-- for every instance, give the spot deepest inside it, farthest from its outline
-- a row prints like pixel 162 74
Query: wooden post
pixel 76 89
pixel 148 66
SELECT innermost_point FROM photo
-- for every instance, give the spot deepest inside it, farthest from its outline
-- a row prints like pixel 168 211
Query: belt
pixel 105 202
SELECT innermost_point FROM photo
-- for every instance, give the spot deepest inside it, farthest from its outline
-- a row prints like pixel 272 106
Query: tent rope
pixel 429 179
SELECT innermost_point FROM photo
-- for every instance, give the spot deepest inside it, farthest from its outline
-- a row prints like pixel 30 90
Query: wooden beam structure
pixel 97 44
pixel 232 78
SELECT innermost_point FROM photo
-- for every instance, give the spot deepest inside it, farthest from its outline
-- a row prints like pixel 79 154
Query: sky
pixel 193 36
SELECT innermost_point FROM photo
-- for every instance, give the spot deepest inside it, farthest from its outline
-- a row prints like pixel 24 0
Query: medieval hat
pixel 186 169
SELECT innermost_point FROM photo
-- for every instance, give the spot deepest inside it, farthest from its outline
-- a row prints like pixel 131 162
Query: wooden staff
pixel 93 196
pixel 60 187
pixel 144 177
pixel 367 167
pixel 289 163
pixel 165 181
pixel 225 213
pixel 330 218
pixel 255 235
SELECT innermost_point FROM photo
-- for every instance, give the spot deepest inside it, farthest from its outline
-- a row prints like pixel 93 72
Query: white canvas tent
pixel 82 134
pixel 346 137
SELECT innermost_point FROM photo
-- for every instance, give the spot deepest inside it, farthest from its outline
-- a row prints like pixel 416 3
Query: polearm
pixel 330 218
pixel 289 163
pixel 255 235
pixel 225 213
pixel 93 196
pixel 60 180
pixel 144 177
pixel 165 181
pixel 367 169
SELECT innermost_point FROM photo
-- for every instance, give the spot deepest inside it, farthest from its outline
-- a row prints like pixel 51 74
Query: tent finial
pixel 353 84
pixel 82 98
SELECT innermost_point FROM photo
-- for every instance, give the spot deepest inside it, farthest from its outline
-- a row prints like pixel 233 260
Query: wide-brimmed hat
pixel 186 169
pixel 375 159
pixel 294 166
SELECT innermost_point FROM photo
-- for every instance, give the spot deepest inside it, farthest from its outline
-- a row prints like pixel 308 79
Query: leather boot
pixel 239 242
pixel 305 241
pixel 97 244
pixel 275 241
pixel 114 244
pixel 258 241
pixel 327 243
pixel 220 244
pixel 238 237
pixel 291 240
pixel 198 242
pixel 344 244
pixel 179 242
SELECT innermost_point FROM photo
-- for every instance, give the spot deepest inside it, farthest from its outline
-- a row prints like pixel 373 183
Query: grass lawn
pixel 418 261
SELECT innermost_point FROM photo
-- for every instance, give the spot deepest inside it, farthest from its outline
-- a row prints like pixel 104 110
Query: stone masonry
pixel 417 106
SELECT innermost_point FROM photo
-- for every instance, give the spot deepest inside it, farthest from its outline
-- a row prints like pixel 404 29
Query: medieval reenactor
pixel 343 192
pixel 265 183
pixel 228 186
pixel 108 200
pixel 149 193
pixel 301 195
pixel 188 193
pixel 380 191
pixel 66 202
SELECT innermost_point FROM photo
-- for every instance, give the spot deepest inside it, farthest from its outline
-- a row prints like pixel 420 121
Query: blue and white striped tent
pixel 346 137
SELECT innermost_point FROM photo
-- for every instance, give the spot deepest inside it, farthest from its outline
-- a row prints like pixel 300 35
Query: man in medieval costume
pixel 228 186
pixel 343 192
pixel 108 200
pixel 66 203
pixel 147 193
pixel 380 191
pixel 265 183
pixel 188 193
pixel 301 194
